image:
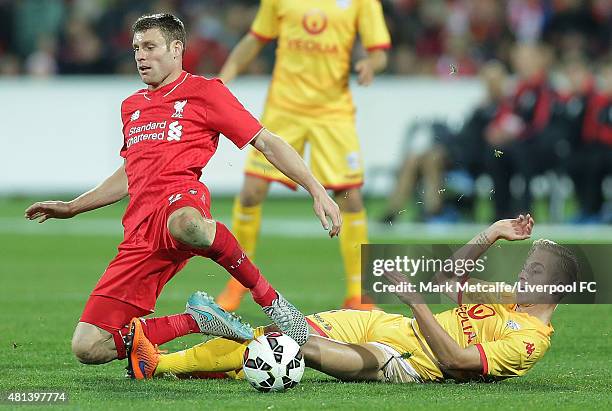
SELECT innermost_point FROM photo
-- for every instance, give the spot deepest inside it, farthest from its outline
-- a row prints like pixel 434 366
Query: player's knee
pixel 84 349
pixel 349 201
pixel 254 191
pixel 187 226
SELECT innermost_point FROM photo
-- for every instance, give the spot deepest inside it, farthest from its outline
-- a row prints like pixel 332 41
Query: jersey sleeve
pixel 225 114
pixel 372 27
pixel 513 355
pixel 265 25
pixel 490 294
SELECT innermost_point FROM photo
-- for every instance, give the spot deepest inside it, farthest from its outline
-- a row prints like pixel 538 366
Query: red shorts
pixel 110 314
pixel 147 259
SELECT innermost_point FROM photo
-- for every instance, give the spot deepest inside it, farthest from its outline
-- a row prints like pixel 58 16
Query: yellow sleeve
pixel 265 26
pixel 499 296
pixel 372 27
pixel 513 355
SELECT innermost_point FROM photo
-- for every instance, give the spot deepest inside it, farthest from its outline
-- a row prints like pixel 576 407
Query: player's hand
pixel 365 72
pixel 44 210
pixel 514 228
pixel 325 207
pixel 406 297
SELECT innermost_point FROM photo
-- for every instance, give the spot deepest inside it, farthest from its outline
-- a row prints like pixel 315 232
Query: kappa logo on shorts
pixel 529 348
pixel 174 198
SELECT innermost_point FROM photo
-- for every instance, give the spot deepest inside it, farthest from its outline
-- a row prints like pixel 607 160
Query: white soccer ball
pixel 273 362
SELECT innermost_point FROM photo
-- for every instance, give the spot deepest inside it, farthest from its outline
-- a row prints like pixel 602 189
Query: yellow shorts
pixel 335 156
pixel 360 327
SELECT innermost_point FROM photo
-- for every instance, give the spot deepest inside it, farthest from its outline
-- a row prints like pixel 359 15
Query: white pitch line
pixel 311 228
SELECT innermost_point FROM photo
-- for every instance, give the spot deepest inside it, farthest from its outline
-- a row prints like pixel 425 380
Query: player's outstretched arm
pixel 289 162
pixel 111 190
pixel 241 56
pixel 510 229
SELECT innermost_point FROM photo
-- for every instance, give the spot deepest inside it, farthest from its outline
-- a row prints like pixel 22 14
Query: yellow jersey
pixel 313 55
pixel 509 342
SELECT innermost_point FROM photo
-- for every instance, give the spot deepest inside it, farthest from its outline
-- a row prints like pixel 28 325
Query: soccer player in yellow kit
pixel 480 338
pixel 309 101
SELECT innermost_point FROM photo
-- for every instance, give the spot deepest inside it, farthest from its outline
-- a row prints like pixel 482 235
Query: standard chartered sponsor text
pixel 151 126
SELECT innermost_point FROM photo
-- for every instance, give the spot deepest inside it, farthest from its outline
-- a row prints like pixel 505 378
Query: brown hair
pixel 171 27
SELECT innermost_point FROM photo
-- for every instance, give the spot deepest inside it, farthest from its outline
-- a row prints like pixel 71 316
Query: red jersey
pixel 171 133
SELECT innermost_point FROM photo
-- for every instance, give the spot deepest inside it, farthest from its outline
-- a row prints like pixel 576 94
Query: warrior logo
pixel 179 106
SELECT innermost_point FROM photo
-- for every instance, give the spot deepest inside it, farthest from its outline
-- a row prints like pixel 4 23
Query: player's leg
pixel 259 172
pixel 404 187
pixel 348 328
pixel 98 337
pixel 197 232
pixel 336 162
pixel 219 355
pixel 347 362
pixel 354 234
pixel 361 346
pixel 433 173
pixel 246 223
pixel 93 345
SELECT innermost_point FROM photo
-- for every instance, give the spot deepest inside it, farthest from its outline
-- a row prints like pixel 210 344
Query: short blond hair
pixel 567 261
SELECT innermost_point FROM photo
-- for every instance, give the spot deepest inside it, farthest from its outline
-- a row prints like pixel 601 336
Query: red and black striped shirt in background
pixel 532 102
pixel 569 112
pixel 598 119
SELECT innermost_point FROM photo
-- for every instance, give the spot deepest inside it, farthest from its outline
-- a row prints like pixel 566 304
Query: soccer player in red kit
pixel 171 130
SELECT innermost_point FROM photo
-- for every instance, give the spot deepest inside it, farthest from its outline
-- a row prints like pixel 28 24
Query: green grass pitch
pixel 46 275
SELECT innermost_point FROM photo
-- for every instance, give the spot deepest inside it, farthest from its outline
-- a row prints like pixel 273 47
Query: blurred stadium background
pixel 497 144
pixel 487 107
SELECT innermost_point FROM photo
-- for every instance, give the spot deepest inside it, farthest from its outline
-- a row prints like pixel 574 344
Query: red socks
pixel 226 252
pixel 159 330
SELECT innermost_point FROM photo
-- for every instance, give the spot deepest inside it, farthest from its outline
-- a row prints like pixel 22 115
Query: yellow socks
pixel 246 222
pixel 216 355
pixel 354 233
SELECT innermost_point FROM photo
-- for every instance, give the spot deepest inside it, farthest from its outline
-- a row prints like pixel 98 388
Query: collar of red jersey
pixel 168 87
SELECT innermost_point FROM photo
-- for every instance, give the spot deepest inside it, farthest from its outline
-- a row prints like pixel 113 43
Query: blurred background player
pixel 449 151
pixel 309 102
pixel 519 131
pixel 592 158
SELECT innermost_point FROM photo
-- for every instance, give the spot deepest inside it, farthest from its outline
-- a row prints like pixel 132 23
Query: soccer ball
pixel 273 362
